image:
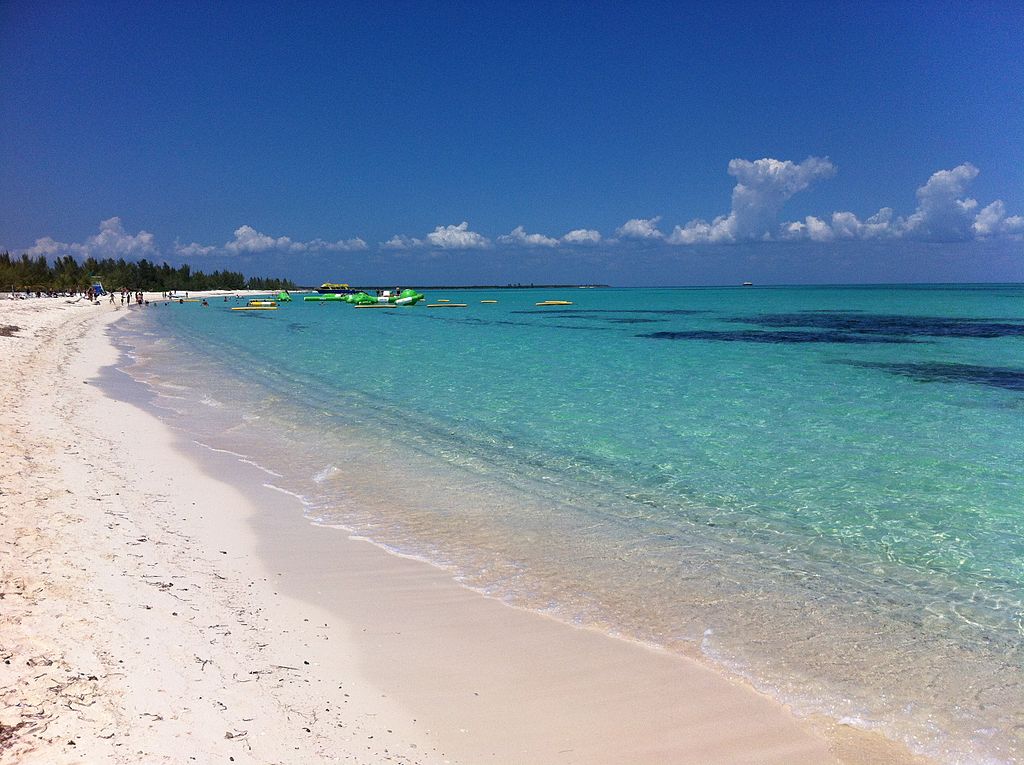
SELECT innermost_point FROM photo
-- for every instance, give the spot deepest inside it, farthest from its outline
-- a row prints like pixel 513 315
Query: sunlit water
pixel 821 489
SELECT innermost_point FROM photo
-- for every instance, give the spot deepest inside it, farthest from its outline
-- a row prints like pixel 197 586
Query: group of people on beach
pixel 24 293
pixel 127 297
pixel 92 294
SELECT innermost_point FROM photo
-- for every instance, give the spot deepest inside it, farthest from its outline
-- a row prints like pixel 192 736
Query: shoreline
pixel 402 659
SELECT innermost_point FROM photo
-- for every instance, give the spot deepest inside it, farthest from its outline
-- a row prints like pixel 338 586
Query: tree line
pixel 66 274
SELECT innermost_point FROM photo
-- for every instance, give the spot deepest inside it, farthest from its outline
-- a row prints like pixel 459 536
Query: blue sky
pixel 640 143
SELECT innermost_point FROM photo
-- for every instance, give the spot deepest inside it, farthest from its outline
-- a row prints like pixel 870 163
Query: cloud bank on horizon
pixel 249 240
pixel 944 213
pixel 111 241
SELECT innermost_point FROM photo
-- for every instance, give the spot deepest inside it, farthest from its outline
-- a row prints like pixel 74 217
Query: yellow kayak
pixel 446 305
pixel 555 302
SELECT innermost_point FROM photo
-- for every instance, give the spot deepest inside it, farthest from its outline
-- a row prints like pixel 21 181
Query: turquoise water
pixel 818 488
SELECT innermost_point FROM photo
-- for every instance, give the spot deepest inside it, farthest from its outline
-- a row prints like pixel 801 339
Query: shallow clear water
pixel 819 488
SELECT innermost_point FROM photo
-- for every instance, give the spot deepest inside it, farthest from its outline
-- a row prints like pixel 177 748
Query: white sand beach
pixel 159 605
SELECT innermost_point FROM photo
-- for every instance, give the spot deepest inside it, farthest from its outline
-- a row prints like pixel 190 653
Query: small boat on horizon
pixel 747 284
pixel 335 289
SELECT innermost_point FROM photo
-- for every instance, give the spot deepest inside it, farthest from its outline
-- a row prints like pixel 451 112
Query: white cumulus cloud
pixel 342 245
pixel 518 236
pixel 460 237
pixel 640 228
pixel 846 225
pixel 194 249
pixel 582 236
pixel 111 241
pixel 249 240
pixel 944 213
pixel 457 238
pixel 762 188
pixel 401 242
pixel 993 221
pixel 843 225
pixel 698 231
pixel 812 228
pixel 49 246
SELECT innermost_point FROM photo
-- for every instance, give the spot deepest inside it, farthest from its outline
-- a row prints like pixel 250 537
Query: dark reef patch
pixel 627 320
pixel 887 324
pixel 1007 378
pixel 609 319
pixel 790 337
pixel 585 313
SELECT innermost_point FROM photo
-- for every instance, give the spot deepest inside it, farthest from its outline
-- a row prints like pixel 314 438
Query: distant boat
pixel 748 284
pixel 336 289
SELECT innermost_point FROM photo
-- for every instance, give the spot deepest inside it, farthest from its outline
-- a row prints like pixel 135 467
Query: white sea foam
pixel 243 458
pixel 323 475
pixel 258 466
pixel 431 560
pixel 305 502
pixel 220 451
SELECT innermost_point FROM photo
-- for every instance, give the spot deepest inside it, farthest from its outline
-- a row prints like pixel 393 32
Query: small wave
pixel 208 401
pixel 258 466
pixel 302 499
pixel 244 458
pixel 430 560
pixel 221 451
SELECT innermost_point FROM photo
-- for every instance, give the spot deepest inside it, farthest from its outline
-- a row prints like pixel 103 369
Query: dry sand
pixel 158 604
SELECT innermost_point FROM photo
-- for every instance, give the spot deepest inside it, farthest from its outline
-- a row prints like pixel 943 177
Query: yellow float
pixel 257 305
